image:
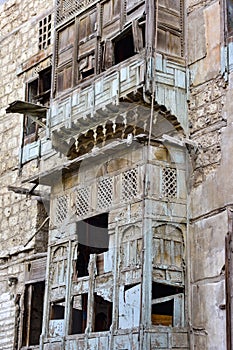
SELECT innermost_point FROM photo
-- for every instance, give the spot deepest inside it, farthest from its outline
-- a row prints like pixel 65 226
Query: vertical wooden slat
pixel 29 309
pixel 137 36
pixel 108 54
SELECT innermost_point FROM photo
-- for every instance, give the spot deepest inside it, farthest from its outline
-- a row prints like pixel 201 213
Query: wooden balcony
pixel 90 105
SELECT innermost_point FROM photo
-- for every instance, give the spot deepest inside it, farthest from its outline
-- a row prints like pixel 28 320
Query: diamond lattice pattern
pixel 169 182
pixel 105 194
pixel 83 201
pixel 67 8
pixel 130 184
pixel 61 209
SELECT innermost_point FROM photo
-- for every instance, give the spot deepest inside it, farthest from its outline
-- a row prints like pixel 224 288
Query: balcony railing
pixel 85 106
pixel 105 89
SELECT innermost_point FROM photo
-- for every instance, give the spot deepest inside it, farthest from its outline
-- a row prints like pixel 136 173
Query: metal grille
pixel 105 193
pixel 61 209
pixel 130 184
pixel 82 201
pixel 169 182
pixel 67 8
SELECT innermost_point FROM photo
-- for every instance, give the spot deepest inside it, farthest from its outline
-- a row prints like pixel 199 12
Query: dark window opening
pixel 162 314
pixel 45 86
pixel 124 47
pixel 86 65
pixel 164 306
pixel 78 314
pixel 30 127
pixel 143 28
pixel 103 314
pixel 230 16
pixel 32 91
pixel 87 73
pixel 57 311
pixel 33 313
pixel 38 91
pixel 93 238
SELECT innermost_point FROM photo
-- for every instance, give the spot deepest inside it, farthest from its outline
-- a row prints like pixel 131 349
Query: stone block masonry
pixel 19 26
pixel 206 125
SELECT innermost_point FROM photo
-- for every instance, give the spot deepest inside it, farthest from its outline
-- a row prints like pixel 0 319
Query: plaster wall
pixel 210 114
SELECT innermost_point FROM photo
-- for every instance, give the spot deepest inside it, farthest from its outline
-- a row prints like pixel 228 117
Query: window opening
pixel 82 202
pixel 38 91
pixel 59 266
pixel 167 305
pixel 169 182
pixel 130 184
pixel 57 314
pixel 33 313
pixel 103 314
pixel 45 26
pixel 79 314
pixel 87 65
pixel 44 86
pixel 124 47
pixel 57 310
pixel 230 16
pixel 61 208
pixel 93 238
pixel 87 73
pixel 30 127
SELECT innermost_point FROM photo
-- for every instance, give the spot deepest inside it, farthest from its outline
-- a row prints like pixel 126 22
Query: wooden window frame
pixel 28 313
pixel 41 96
pixel 45 32
pixel 228 22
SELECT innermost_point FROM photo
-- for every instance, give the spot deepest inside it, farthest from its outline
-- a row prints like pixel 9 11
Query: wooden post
pixel 229 278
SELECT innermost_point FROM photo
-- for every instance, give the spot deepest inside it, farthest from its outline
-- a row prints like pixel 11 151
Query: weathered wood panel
pixel 35 270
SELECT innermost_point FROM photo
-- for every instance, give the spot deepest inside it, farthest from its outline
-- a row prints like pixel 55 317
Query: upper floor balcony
pixel 110 59
pixel 112 56
pixel 118 91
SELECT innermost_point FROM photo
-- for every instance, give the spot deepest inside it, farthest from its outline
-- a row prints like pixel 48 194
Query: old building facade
pixel 116 203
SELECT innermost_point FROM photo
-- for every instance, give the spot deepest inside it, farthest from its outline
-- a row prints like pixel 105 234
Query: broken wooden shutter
pixel 107 54
pixel 66 44
pixel 170 27
pixel 87 30
pixel 137 36
pixel 87 65
pixel 35 270
pixel 65 52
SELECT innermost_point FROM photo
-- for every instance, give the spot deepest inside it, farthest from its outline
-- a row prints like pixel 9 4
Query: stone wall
pixel 18 42
pixel 206 123
pixel 210 127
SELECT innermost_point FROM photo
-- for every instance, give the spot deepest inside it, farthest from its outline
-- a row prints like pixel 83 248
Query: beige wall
pixel 18 215
pixel 210 109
